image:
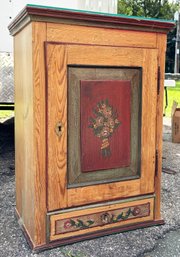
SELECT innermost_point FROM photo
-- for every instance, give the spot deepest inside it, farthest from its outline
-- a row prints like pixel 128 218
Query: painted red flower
pixel 67 224
pixel 136 211
pixel 106 218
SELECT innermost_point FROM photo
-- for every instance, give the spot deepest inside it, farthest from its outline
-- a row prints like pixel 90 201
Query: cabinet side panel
pixel 39 37
pixel 24 128
pixel 161 45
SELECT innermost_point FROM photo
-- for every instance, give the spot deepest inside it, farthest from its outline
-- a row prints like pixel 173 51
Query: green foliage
pixel 162 9
pixel 148 8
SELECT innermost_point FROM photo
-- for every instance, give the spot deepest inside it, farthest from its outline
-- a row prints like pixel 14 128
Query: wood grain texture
pixel 99 36
pixel 107 56
pixel 57 112
pixel 161 45
pixel 104 192
pixel 30 130
pixel 39 126
pixel 148 129
pixel 24 147
pixel 107 208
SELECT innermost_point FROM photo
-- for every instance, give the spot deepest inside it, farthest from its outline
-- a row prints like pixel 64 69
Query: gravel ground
pixel 159 241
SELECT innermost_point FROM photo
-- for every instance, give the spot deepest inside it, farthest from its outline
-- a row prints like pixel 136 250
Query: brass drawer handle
pixel 59 129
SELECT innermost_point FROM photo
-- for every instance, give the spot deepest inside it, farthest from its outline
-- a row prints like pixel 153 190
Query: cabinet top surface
pixel 62 15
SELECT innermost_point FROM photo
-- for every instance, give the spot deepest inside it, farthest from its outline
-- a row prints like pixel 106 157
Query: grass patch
pixel 178 84
pixel 173 95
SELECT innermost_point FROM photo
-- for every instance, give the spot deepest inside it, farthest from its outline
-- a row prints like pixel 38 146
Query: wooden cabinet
pixel 88 123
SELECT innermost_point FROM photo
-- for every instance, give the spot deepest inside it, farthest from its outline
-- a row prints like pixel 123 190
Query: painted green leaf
pixel 129 212
pixel 80 223
pixel 73 223
pixel 90 222
pixel 119 216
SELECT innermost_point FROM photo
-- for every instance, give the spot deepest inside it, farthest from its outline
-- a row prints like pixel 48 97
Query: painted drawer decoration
pixel 101 218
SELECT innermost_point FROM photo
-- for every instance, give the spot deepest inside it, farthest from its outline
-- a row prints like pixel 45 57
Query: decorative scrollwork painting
pixel 105 124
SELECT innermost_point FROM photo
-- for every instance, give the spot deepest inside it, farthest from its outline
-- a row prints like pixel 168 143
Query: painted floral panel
pixel 105 124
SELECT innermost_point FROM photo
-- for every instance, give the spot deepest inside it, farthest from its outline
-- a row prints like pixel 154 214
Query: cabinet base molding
pixel 108 219
pixel 93 235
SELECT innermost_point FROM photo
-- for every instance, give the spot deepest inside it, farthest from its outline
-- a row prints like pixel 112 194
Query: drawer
pixel 80 221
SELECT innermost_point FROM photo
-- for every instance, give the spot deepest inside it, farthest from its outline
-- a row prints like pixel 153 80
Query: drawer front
pixel 89 220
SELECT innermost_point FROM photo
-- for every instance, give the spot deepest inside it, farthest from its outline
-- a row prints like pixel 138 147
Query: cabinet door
pixel 101 118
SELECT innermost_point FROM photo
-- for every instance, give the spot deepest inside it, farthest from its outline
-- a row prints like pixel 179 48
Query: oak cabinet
pixel 88 123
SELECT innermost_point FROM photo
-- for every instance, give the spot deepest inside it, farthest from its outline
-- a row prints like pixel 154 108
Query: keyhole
pixel 59 128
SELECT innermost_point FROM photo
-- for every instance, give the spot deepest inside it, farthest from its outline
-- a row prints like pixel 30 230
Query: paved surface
pixel 168 246
pixel 160 241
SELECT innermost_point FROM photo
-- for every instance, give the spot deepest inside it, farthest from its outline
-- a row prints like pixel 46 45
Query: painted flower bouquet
pixel 104 124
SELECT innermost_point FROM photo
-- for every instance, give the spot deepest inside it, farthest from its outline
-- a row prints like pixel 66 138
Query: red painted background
pixel 118 92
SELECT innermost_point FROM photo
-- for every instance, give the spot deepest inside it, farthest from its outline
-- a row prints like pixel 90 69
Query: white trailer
pixel 9 10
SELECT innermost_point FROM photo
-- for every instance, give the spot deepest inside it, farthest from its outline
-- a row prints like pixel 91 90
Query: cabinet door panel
pixel 93 157
pixel 59 58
